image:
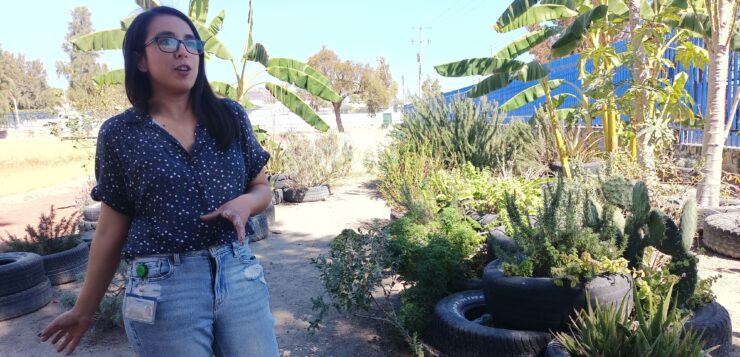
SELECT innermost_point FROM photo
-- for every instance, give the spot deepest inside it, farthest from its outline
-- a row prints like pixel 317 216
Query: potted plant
pixel 64 254
pixel 313 164
pixel 567 254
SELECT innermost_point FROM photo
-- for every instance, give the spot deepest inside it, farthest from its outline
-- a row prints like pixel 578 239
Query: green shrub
pixel 401 168
pixel 49 236
pixel 560 244
pixel 319 161
pixel 458 132
pixel 108 316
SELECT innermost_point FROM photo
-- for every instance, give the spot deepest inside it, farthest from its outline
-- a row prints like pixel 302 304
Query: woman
pixel 178 175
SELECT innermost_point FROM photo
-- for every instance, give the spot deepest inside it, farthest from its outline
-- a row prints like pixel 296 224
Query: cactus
pixel 647 226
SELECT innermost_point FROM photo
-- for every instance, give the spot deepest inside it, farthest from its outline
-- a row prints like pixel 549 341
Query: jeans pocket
pixel 155 268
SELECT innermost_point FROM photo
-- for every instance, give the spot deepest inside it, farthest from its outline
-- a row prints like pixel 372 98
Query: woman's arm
pixel 105 256
pixel 238 210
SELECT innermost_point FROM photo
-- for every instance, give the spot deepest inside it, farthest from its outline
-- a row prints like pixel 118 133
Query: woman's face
pixel 170 72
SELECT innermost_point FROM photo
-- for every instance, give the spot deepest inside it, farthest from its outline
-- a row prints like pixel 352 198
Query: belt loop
pixel 176 258
pixel 235 249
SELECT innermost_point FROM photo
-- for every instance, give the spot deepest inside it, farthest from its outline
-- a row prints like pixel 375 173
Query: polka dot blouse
pixel 143 172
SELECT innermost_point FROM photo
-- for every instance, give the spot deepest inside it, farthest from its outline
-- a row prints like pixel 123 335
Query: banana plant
pixel 287 70
pixel 503 67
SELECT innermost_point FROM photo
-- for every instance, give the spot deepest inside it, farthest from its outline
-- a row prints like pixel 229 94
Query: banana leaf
pixel 522 13
pixel 490 84
pixel 531 71
pixel 213 44
pixel 304 77
pixel 258 53
pixel 217 23
pixel 198 11
pixel 477 66
pixel 100 40
pixel 573 36
pixel 525 43
pixel 111 78
pixel 224 89
pixel 529 95
pixel 297 106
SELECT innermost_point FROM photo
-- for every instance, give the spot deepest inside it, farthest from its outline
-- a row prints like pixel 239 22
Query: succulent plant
pixel 646 226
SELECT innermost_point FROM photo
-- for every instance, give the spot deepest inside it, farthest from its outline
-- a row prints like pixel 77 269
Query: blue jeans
pixel 213 302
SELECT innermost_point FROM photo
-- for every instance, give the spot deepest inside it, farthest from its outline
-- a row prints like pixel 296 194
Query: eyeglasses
pixel 171 44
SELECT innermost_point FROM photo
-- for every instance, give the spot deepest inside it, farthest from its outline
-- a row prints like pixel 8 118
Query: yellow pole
pixel 559 142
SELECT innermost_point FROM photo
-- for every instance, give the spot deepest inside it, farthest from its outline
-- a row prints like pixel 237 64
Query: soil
pixel 303 231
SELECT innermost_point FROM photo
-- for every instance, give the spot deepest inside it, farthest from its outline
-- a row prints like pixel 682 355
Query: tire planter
pixel 63 267
pixel 20 271
pixel 277 196
pixel 91 212
pixel 85 225
pixel 25 301
pixel 260 225
pixel 311 194
pixel 726 206
pixel 497 238
pixel 722 234
pixel 455 333
pixel 538 304
pixel 280 181
pixel 712 320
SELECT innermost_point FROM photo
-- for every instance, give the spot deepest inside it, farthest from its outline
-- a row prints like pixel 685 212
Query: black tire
pixel 538 304
pixel 487 219
pixel 467 284
pixel 722 234
pixel 726 206
pixel 611 290
pixel 86 225
pixel 280 181
pixel 87 237
pixel 63 267
pixel 713 321
pixel 455 334
pixel 497 238
pixel 277 196
pixel 25 301
pixel 556 349
pixel 20 271
pixel 261 226
pixel 312 194
pixel 91 212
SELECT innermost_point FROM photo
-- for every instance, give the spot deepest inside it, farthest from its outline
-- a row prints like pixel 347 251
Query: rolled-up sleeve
pixel 255 156
pixel 111 186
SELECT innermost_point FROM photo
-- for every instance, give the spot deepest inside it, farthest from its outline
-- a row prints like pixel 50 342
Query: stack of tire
pixel 24 286
pixel 722 233
pixel 284 190
pixel 513 316
pixel 279 183
pixel 261 222
pixel 89 222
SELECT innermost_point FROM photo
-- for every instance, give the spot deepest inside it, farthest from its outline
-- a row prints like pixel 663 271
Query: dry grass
pixel 33 163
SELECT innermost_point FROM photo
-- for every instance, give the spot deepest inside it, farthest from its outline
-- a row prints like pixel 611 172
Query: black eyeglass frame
pixel 157 39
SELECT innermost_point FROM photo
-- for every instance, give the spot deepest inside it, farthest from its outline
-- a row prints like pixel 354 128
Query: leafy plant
pixel 401 168
pixel 458 131
pixel 49 236
pixel 610 331
pixel 561 242
pixel 318 161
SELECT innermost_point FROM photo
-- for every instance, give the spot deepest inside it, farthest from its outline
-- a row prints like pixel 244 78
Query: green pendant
pixel 142 271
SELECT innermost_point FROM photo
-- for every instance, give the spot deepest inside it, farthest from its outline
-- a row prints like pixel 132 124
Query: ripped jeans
pixel 212 302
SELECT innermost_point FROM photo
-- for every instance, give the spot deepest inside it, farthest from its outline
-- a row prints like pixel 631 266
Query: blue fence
pixel 567 69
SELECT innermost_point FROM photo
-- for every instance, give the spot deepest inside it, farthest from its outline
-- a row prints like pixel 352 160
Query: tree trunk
pixel 338 115
pixel 16 117
pixel 559 142
pixel 645 151
pixel 707 193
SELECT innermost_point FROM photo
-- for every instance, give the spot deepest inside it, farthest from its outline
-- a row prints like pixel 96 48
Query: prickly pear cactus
pixel 647 226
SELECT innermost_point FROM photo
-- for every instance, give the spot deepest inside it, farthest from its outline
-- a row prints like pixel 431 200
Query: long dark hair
pixel 209 109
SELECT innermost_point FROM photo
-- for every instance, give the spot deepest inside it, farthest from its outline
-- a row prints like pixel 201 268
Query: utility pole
pixel 419 55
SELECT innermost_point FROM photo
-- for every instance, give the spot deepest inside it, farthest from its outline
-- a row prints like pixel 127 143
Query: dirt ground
pixel 302 232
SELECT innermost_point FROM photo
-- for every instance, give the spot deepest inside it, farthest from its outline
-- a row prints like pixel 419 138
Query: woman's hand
pixel 237 211
pixel 68 328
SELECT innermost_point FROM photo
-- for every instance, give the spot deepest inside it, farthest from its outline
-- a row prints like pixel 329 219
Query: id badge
pixel 141 303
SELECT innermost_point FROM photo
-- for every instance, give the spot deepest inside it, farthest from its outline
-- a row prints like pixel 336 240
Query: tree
pixel 374 86
pixel 99 100
pixel 22 84
pixel 718 30
pixel 380 89
pixel 430 88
